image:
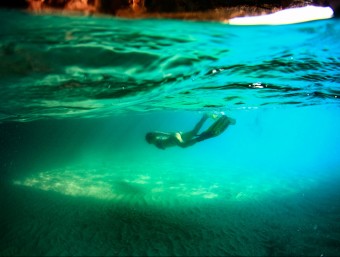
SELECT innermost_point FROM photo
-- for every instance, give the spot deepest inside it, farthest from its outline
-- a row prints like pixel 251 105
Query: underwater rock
pixel 179 9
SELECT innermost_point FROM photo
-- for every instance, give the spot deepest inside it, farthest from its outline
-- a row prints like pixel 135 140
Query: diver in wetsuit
pixel 164 140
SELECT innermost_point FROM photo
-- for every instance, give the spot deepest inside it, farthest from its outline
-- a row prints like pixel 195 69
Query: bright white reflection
pixel 132 185
pixel 288 16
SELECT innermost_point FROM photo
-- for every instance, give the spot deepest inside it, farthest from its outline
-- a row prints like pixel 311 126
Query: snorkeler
pixel 164 140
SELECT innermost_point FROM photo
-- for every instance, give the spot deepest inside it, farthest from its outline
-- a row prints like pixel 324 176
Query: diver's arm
pixel 159 133
pixel 160 146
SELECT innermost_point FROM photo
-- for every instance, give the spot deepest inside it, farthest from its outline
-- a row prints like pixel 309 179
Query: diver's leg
pixel 199 124
pixel 217 128
pixel 188 143
pixel 187 136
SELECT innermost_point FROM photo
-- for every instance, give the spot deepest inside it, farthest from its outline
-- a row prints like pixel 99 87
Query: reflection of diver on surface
pixel 163 140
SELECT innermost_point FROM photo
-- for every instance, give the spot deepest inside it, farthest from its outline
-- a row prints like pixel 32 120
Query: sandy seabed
pixel 84 211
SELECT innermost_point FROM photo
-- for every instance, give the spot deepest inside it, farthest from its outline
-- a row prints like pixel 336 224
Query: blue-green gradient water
pixel 78 95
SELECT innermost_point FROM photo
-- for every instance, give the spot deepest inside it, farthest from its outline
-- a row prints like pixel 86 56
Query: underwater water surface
pixel 79 94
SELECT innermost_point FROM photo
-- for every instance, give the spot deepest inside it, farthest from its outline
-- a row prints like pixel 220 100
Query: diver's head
pixel 150 137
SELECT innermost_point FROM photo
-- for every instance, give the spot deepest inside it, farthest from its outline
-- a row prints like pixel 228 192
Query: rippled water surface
pixel 56 66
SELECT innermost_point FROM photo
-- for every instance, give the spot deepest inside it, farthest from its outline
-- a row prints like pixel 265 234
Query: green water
pixel 79 94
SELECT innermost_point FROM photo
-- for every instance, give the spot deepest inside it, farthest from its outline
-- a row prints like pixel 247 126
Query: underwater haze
pixel 79 94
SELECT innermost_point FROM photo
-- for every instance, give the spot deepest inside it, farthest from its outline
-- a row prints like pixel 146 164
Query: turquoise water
pixel 78 95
